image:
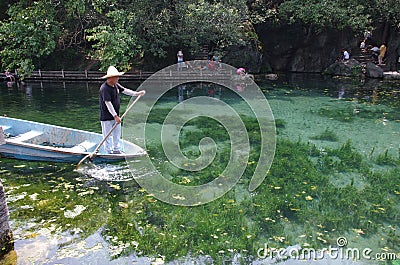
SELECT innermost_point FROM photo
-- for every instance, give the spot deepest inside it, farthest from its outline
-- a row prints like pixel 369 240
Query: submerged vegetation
pixel 314 192
pixel 296 193
pixel 327 135
pixel 387 159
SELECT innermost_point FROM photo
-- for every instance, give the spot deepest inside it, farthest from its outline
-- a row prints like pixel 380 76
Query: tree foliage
pixel 352 14
pixel 156 26
pixel 326 14
pixel 34 29
pixel 220 23
pixel 115 42
pixel 120 32
pixel 30 32
pixel 387 10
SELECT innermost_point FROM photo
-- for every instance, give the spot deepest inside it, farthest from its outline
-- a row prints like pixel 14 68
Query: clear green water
pixel 335 173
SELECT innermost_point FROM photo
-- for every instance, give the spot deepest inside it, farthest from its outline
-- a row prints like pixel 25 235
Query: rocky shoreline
pixel 353 68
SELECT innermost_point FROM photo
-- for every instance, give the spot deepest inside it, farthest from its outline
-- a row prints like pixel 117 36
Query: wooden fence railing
pixel 82 75
pixel 166 74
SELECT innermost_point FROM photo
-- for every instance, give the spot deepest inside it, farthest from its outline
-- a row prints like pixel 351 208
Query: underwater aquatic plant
pixel 386 159
pixel 297 193
pixel 280 123
pixel 350 159
pixel 339 114
pixel 56 198
pixel 327 135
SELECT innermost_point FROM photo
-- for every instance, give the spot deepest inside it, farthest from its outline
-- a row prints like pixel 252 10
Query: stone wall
pixel 248 57
pixel 298 48
pixel 6 236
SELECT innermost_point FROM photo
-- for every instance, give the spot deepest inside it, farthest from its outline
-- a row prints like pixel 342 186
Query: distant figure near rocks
pixel 271 76
pixel 374 54
pixel 9 76
pixel 241 72
pixel 367 37
pixel 346 55
pixel 382 53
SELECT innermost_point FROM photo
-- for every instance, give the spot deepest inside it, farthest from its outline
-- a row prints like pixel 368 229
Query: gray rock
pixel 344 68
pixel 248 57
pixel 373 71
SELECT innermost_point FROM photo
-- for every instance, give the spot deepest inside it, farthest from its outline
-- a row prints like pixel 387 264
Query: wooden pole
pixel 94 153
pixel 2 138
pixel 6 236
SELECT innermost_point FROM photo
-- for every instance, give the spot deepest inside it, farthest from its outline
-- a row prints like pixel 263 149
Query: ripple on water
pixel 109 172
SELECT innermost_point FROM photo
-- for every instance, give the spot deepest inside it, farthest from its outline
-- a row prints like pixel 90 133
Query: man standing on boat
pixel 109 108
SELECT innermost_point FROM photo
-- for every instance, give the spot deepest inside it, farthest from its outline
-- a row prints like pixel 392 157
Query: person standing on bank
pixel 109 108
pixel 382 53
pixel 179 56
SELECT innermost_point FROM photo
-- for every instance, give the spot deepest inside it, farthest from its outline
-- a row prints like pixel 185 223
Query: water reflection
pixel 189 90
pixel 341 93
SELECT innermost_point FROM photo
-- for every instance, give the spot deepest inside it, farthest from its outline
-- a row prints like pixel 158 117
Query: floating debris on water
pixel 75 212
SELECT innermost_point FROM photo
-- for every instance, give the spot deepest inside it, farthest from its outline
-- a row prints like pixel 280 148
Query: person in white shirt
pixel 346 55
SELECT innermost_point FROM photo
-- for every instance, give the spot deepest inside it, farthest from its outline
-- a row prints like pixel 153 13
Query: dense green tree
pixel 3 7
pixel 115 42
pixel 221 23
pixel 33 29
pixel 154 26
pixel 326 14
pixel 28 34
pixel 117 32
pixel 353 14
pixel 120 32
